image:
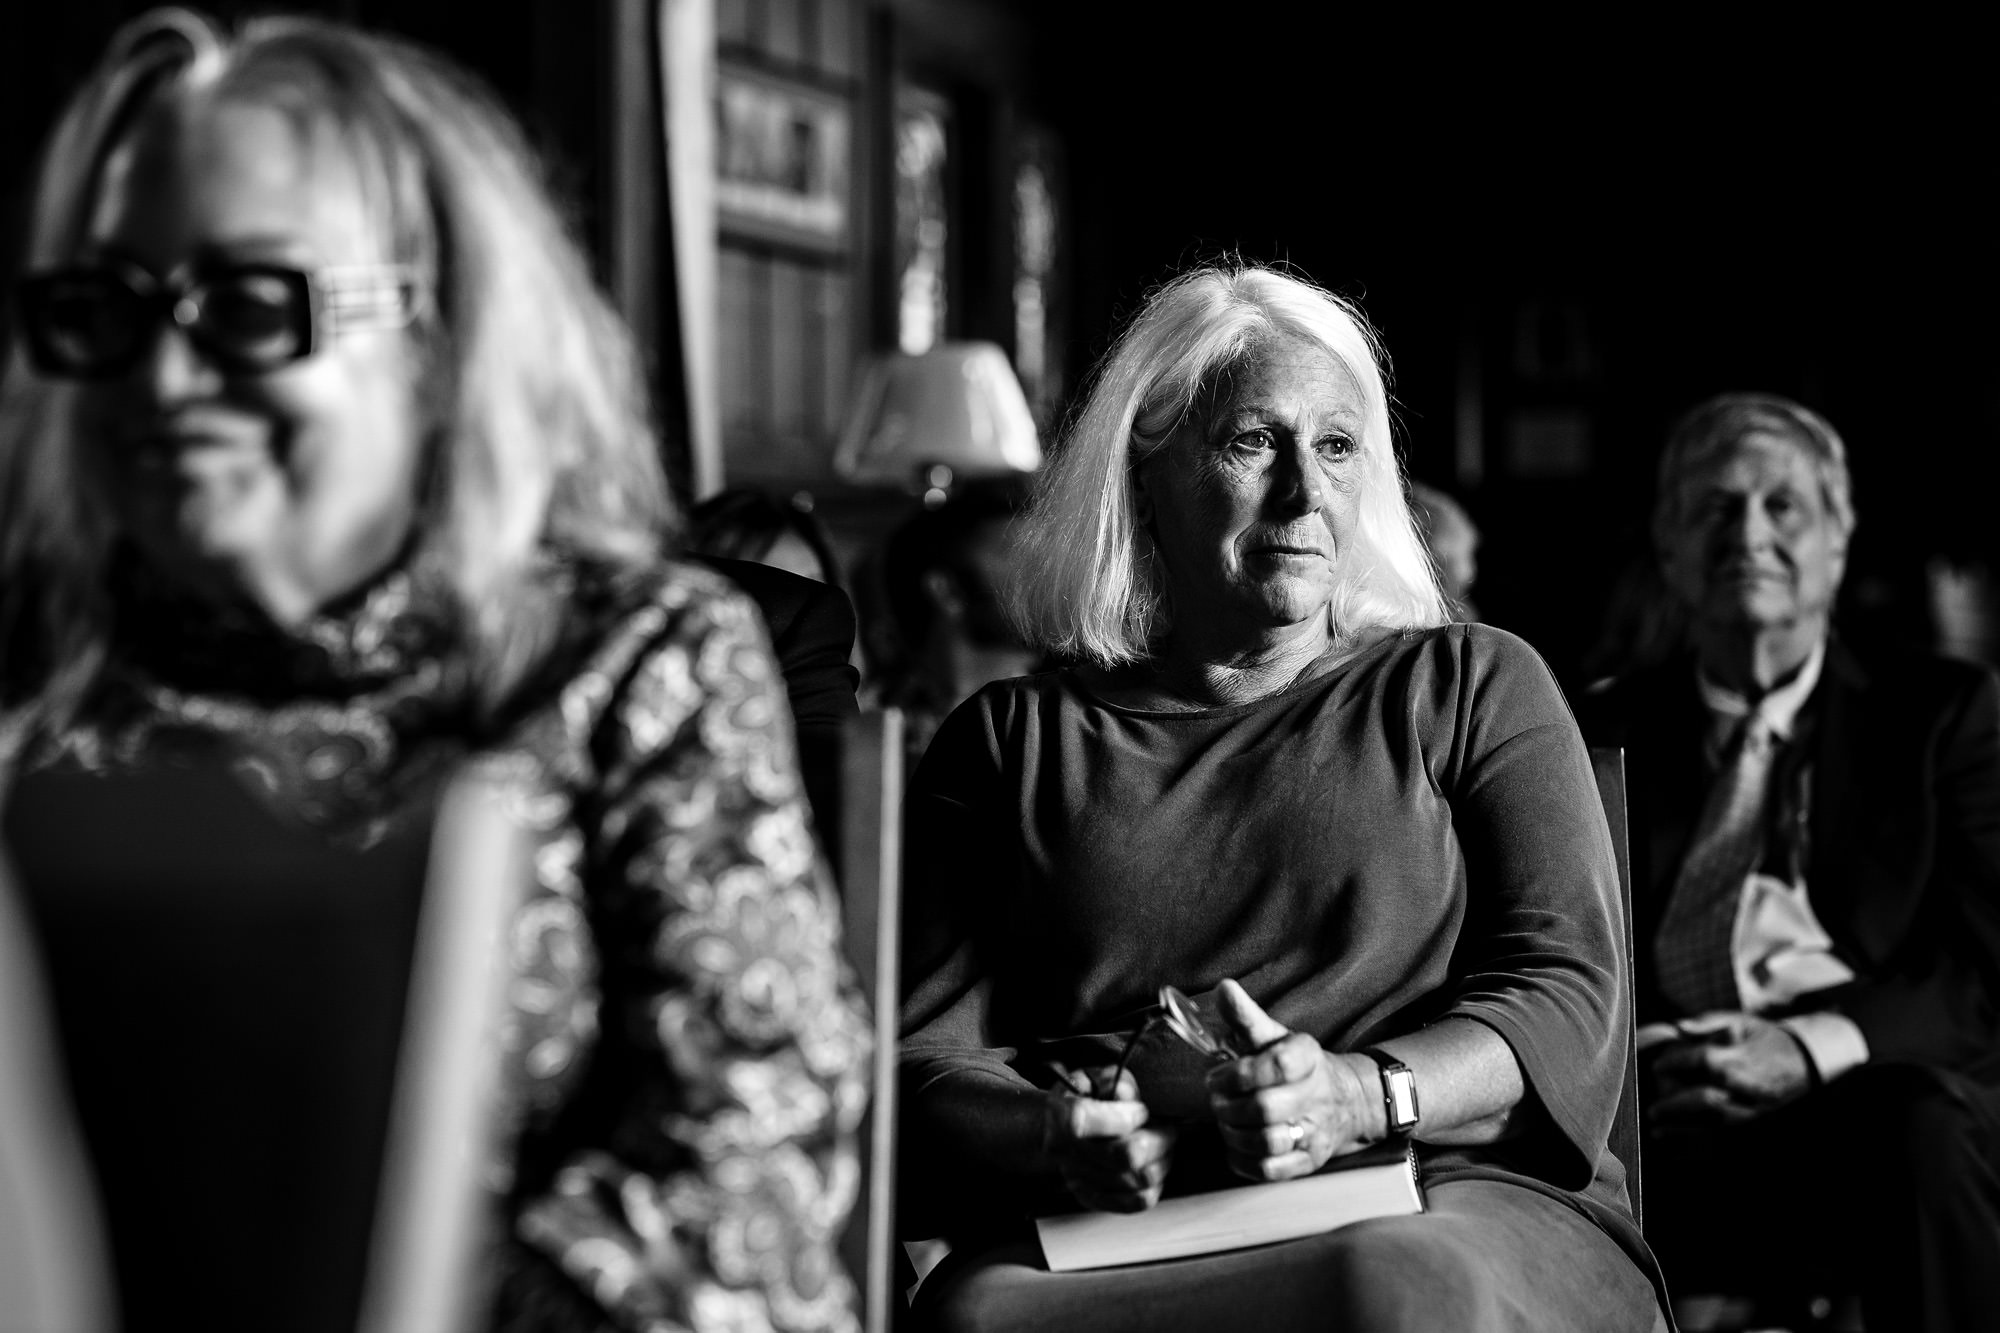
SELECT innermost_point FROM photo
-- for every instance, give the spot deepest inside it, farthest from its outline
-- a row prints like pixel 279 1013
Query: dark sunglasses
pixel 94 322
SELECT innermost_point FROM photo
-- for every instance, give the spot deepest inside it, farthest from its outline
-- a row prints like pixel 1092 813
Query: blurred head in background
pixel 944 576
pixel 297 311
pixel 746 524
pixel 1453 542
pixel 1751 523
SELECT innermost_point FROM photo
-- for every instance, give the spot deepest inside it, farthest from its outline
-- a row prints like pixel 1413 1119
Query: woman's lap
pixel 1487 1255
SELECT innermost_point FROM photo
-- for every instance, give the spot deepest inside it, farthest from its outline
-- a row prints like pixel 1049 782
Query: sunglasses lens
pixel 256 317
pixel 83 323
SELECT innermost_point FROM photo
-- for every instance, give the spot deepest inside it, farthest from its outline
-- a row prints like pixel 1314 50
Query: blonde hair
pixel 1087 590
pixel 540 428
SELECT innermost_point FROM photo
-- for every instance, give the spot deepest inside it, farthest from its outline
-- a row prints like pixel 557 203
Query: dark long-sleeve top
pixel 1413 836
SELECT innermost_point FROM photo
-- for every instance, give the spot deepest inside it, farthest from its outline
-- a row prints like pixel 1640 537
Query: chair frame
pixel 1607 764
pixel 871 842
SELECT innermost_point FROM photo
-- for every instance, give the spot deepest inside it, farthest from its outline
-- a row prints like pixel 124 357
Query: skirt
pixel 1486 1257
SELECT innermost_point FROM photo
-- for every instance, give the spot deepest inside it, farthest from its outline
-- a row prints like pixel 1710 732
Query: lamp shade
pixel 957 405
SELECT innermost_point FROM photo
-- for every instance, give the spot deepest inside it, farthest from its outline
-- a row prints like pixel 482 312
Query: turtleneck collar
pixel 365 640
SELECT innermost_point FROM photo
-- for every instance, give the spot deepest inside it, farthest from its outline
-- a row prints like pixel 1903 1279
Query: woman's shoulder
pixel 998 702
pixel 1471 678
pixel 995 716
pixel 1469 650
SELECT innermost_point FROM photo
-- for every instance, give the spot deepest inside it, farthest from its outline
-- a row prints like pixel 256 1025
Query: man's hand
pixel 1096 1134
pixel 1725 1068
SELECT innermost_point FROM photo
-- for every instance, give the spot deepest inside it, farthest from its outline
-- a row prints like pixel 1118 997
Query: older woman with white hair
pixel 1273 776
pixel 319 453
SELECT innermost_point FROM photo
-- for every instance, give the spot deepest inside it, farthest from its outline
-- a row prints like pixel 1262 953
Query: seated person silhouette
pixel 1816 871
pixel 944 574
pixel 1452 539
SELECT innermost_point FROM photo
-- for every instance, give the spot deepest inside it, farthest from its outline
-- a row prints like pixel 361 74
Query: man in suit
pixel 1816 871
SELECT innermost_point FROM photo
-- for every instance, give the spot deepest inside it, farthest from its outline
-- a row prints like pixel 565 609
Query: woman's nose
pixel 1301 484
pixel 172 369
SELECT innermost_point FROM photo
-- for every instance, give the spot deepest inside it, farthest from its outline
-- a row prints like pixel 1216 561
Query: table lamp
pixel 951 413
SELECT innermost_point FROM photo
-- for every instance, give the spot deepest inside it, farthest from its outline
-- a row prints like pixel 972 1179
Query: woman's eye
pixel 1251 440
pixel 1337 446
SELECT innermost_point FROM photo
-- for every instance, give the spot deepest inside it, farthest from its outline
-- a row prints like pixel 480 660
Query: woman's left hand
pixel 1290 1105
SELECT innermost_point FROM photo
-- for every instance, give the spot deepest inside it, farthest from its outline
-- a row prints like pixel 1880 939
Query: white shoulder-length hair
pixel 539 428
pixel 1087 588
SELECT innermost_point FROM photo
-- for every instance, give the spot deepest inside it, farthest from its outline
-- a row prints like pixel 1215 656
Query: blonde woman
pixel 1276 778
pixel 319 452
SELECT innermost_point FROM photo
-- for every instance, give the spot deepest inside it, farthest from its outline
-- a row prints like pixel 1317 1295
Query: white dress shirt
pixel 1780 951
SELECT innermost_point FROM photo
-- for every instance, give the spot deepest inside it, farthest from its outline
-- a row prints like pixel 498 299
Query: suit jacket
pixel 1903 850
pixel 812 634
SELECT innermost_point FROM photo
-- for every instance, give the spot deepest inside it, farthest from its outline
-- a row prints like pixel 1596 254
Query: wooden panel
pixel 839 37
pixel 785 31
pixel 740 335
pixel 732 22
pixel 832 310
pixel 792 359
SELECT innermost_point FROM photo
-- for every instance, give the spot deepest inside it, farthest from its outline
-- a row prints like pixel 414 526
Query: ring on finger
pixel 1295 1134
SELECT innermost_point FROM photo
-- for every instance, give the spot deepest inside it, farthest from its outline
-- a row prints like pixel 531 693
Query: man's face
pixel 1756 546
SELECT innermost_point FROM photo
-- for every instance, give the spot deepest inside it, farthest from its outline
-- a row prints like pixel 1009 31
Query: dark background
pixel 1609 219
pixel 1806 211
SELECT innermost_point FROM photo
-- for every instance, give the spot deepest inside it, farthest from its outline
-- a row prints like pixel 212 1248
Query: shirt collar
pixel 1780 708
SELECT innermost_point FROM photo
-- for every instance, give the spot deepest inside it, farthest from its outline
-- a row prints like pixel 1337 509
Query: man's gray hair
pixel 1721 423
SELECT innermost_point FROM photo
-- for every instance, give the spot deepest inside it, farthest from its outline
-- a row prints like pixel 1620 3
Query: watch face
pixel 1400 1086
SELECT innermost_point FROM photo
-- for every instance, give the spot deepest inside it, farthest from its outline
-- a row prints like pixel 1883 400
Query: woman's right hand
pixel 1095 1132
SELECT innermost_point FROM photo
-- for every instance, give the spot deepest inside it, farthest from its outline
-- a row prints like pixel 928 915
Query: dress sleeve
pixel 1541 957
pixel 958 860
pixel 711 1191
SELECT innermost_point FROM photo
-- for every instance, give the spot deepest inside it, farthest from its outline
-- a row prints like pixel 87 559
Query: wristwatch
pixel 1399 1090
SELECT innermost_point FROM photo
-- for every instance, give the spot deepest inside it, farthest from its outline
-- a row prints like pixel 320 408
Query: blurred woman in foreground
pixel 318 450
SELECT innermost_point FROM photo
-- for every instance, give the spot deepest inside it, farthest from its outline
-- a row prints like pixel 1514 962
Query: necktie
pixel 1693 948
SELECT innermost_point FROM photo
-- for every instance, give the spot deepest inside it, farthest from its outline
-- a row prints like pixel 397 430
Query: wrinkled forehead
pixel 1756 460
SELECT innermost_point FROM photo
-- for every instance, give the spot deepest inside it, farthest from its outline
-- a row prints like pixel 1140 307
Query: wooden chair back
pixel 1607 762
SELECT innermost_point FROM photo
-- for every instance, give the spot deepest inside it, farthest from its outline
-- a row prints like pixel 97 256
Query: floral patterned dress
pixel 684 1050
